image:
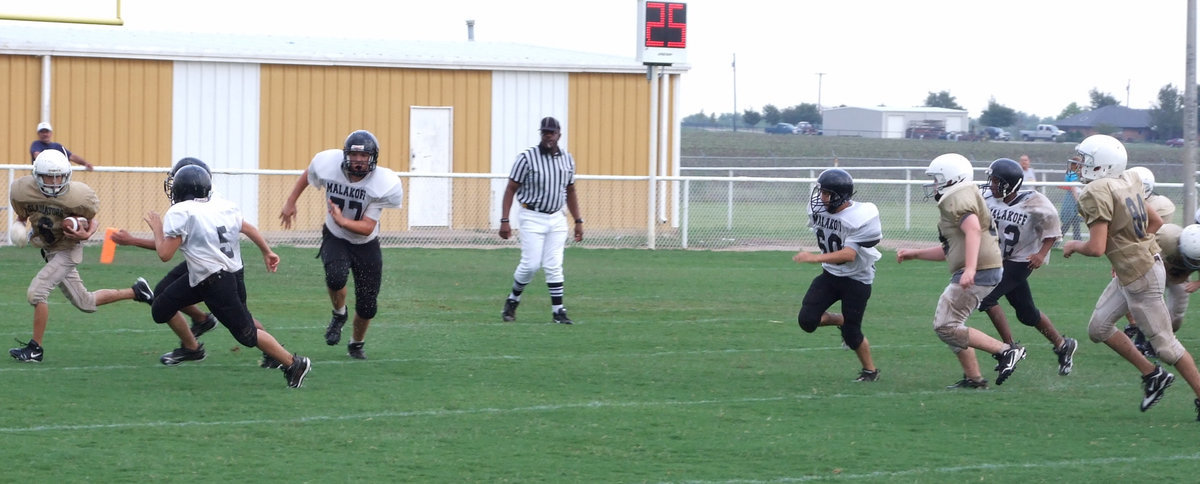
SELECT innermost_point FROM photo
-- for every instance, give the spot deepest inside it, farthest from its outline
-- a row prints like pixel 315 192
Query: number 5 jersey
pixel 856 226
pixel 1023 224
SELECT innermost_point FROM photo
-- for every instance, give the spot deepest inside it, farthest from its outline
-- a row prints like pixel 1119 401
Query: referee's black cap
pixel 550 124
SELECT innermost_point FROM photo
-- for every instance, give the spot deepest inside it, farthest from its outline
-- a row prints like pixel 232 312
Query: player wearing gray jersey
pixel 1027 226
pixel 847 232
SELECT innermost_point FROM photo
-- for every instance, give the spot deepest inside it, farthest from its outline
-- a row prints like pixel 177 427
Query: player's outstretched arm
pixel 269 256
pixel 934 253
pixel 123 237
pixel 289 207
pixel 1096 244
pixel 842 256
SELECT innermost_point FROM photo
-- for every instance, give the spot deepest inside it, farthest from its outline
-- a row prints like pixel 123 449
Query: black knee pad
pixel 366 309
pixel 247 336
pixel 852 336
pixel 1029 317
pixel 808 322
pixel 336 276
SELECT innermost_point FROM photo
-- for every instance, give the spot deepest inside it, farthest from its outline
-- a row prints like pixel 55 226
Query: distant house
pixel 1124 123
pixel 885 122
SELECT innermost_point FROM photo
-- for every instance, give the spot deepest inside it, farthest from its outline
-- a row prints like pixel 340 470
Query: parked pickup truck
pixel 1043 131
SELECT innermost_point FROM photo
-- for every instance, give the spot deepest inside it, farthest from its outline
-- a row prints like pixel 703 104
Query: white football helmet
pixel 1098 156
pixel 1189 246
pixel 1147 177
pixel 947 170
pixel 52 164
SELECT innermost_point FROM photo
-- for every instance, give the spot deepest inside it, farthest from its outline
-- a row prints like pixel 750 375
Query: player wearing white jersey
pixel 207 230
pixel 1028 226
pixel 847 232
pixel 356 192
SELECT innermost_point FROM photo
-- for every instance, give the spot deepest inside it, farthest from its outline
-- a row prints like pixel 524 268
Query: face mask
pixel 1072 176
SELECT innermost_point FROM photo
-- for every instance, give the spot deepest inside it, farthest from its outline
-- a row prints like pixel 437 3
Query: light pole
pixel 735 112
pixel 820 75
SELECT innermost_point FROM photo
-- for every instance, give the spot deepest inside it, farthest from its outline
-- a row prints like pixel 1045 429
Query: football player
pixel 1166 210
pixel 1119 227
pixel 207 231
pixel 1181 257
pixel 202 321
pixel 44 199
pixel 969 246
pixel 1027 225
pixel 847 232
pixel 356 192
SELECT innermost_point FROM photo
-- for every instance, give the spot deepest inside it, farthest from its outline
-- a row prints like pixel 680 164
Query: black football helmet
pixel 1005 177
pixel 361 141
pixel 191 182
pixel 180 164
pixel 840 186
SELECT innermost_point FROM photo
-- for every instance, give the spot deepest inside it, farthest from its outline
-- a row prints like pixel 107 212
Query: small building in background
pixel 886 122
pixel 1125 124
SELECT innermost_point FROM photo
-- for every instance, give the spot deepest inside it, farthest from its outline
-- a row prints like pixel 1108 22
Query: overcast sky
pixel 1032 56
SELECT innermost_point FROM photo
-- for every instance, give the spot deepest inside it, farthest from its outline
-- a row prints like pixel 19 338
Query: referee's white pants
pixel 542 236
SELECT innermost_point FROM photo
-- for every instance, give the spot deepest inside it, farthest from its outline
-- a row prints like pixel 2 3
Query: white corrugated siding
pixel 520 100
pixel 215 118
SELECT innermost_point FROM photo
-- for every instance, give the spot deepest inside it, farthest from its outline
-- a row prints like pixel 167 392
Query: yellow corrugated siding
pixel 306 109
pixel 609 123
pixel 20 91
pixel 113 111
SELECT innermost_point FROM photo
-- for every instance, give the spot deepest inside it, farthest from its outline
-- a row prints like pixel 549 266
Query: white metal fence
pixel 731 211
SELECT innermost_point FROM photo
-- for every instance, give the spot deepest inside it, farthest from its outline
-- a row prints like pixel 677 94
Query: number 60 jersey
pixel 856 226
pixel 1022 225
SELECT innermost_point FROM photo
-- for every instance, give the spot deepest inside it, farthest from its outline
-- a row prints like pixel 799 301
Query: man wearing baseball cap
pixel 45 132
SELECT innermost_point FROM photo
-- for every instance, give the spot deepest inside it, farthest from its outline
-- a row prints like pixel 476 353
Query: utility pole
pixel 735 111
pixel 820 75
pixel 1189 116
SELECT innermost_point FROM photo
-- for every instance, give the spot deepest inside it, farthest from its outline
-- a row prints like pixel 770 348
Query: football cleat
pixel 29 352
pixel 201 327
pixel 1007 361
pixel 510 310
pixel 181 354
pixel 297 371
pixel 269 362
pixel 868 375
pixel 333 332
pixel 1155 384
pixel 560 317
pixel 355 350
pixel 981 384
pixel 142 291
pixel 1066 355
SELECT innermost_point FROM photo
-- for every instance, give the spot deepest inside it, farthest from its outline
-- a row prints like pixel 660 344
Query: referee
pixel 542 180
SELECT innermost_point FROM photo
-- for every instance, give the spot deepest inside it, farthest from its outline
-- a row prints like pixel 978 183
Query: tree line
pixel 1166 115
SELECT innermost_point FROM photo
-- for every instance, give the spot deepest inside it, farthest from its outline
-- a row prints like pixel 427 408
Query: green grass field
pixel 683 367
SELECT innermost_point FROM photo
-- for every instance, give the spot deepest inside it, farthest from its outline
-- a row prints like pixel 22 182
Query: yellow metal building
pixel 144 99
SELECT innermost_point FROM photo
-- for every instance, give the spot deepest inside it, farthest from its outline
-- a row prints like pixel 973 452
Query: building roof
pixel 915 109
pixel 1112 115
pixel 33 38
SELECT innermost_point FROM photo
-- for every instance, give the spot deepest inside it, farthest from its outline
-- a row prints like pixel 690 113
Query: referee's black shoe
pixel 560 317
pixel 333 332
pixel 510 310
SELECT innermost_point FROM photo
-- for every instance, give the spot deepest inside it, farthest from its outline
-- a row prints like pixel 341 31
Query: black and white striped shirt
pixel 544 178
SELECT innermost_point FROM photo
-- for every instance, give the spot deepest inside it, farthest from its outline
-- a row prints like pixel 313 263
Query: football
pixel 75 223
pixel 18 234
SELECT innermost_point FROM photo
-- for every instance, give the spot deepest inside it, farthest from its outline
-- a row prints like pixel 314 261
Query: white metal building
pixel 885 122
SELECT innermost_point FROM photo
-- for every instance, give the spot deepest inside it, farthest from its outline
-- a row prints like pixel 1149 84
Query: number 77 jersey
pixel 365 198
pixel 857 227
pixel 1023 224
